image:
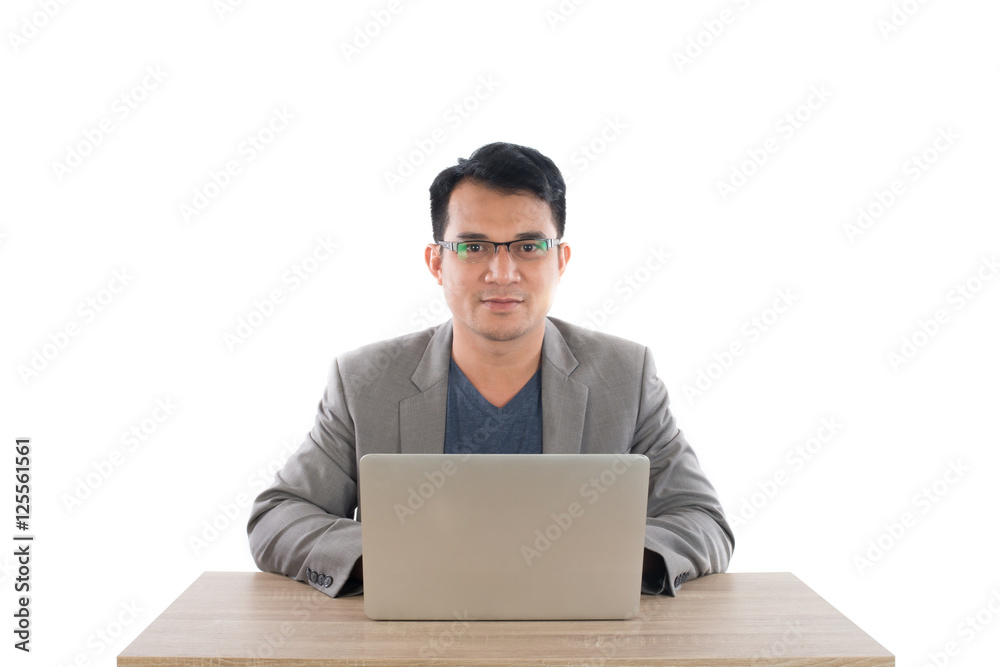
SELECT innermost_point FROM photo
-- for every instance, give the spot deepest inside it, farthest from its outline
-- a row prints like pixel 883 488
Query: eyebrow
pixel 476 236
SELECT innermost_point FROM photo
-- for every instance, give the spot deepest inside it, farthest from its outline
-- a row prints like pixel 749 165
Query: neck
pixel 498 369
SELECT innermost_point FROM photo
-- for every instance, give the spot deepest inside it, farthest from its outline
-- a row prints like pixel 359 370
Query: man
pixel 499 377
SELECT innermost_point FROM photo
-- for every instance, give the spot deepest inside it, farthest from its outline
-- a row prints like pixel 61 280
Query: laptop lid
pixel 502 536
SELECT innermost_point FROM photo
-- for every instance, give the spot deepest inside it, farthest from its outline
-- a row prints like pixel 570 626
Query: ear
pixel 564 253
pixel 432 257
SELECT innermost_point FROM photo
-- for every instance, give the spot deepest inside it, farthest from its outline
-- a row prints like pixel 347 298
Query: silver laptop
pixel 502 536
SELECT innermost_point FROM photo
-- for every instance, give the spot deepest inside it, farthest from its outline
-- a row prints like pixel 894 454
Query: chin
pixel 502 331
pixel 502 336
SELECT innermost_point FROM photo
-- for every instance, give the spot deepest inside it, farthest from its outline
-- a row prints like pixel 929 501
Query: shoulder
pixel 594 347
pixel 393 357
pixel 391 347
pixel 578 337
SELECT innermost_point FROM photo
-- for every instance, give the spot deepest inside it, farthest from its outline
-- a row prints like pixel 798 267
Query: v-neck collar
pixel 526 393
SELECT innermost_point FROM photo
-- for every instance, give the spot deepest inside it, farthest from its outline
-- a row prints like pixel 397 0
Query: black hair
pixel 508 168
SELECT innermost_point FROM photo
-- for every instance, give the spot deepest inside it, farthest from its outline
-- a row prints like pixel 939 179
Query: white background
pixel 661 134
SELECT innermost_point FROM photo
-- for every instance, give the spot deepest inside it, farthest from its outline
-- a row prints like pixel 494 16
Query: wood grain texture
pixel 237 619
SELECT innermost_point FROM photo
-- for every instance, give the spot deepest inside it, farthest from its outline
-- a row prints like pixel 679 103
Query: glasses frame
pixel 453 246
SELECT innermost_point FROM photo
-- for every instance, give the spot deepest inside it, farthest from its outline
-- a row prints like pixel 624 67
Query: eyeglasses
pixel 477 252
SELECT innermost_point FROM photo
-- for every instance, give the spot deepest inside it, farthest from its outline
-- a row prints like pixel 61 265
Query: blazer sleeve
pixel 685 521
pixel 302 526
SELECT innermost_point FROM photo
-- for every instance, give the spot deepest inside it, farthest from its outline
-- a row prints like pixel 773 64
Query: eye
pixel 473 248
pixel 528 248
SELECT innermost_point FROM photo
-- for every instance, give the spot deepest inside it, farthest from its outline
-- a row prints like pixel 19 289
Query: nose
pixel 503 268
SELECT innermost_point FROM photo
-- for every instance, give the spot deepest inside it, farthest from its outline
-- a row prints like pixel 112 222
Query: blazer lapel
pixel 564 400
pixel 422 416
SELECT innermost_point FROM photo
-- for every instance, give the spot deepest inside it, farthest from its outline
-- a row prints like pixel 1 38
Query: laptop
pixel 502 536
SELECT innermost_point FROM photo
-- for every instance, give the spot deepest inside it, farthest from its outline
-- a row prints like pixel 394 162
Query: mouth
pixel 501 304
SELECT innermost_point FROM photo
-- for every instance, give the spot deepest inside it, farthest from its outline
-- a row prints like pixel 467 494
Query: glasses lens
pixel 475 252
pixel 530 250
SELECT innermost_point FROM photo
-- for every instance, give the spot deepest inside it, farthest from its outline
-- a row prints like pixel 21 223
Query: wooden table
pixel 230 619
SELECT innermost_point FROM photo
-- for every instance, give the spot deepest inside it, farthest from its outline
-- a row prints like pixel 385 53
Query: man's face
pixel 504 298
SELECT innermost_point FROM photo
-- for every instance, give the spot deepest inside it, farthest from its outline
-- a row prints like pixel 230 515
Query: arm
pixel 301 525
pixel 687 534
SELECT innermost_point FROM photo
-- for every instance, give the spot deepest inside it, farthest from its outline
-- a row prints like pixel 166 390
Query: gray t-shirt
pixel 476 426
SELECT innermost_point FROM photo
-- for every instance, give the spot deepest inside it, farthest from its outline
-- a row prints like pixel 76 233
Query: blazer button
pixel 327 581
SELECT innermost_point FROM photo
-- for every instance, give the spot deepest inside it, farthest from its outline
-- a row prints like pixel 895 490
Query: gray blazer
pixel 600 393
